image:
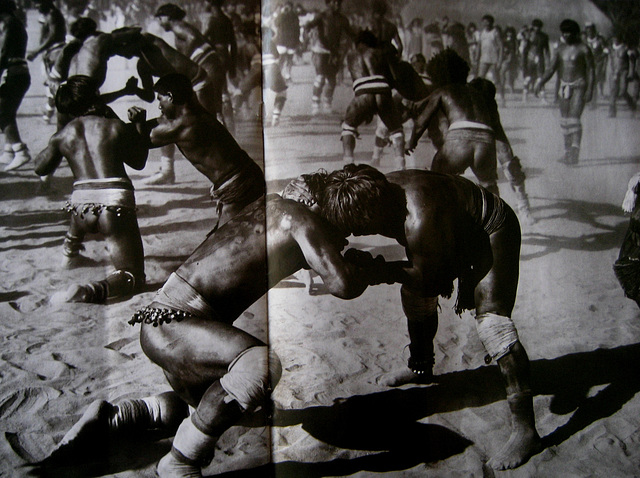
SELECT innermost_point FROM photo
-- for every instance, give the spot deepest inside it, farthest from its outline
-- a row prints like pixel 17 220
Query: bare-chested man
pixel 451 229
pixel 573 62
pixel 220 370
pixel 469 122
pixel 53 31
pixel 97 145
pixel 371 76
pixel 237 179
pixel 192 43
pixel 14 83
pixel 331 28
pixel 623 65
pixel 156 58
pixel 535 56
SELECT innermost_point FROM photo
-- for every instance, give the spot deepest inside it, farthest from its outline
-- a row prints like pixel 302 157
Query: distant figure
pixel 536 52
pixel 490 51
pixel 627 267
pixel 574 64
pixel 623 64
pixel 287 26
pixel 598 46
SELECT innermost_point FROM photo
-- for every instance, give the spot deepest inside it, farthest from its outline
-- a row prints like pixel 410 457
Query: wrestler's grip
pixel 137 114
pixel 298 190
pixel 375 269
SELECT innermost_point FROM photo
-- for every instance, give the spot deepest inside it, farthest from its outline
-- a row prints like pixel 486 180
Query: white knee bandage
pixel 349 131
pixel 497 333
pixel 251 376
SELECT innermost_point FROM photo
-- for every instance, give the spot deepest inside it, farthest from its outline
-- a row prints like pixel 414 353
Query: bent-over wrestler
pixel 96 145
pixel 216 368
pixel 451 229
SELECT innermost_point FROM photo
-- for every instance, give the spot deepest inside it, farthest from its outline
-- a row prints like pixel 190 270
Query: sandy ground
pixel 332 416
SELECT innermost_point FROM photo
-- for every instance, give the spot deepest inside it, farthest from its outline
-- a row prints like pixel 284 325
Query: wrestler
pixel 598 46
pixel 216 368
pixel 156 58
pixel 237 179
pixel 370 72
pixel 97 145
pixel 573 62
pixel 332 27
pixel 53 31
pixel 490 51
pixel 451 229
pixel 14 83
pixel 471 139
pixel 191 43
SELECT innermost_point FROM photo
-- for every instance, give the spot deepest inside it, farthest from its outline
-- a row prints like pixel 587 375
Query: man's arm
pixel 50 39
pixel 138 117
pixel 421 123
pixel 131 88
pixel 590 73
pixel 553 67
pixel 50 157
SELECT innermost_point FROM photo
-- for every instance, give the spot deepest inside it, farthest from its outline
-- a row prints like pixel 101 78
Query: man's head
pixel 44 6
pixel 174 90
pixel 590 29
pixel 418 62
pixel 167 13
pixel 334 5
pixel 78 96
pixel 126 41
pixel 536 24
pixel 354 198
pixel 488 21
pixel 379 8
pixel 83 28
pixel 570 31
pixel 446 68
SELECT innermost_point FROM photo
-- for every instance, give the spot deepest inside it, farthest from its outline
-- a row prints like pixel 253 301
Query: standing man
pixel 97 145
pixel 237 180
pixel 574 64
pixel 623 66
pixel 14 83
pixel 598 46
pixel 490 52
pixel 332 29
pixel 450 229
pixel 220 34
pixel 536 52
pixel 287 27
pixel 53 31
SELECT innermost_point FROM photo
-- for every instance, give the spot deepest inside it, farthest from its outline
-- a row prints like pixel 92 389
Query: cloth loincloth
pixel 471 131
pixel 568 87
pixel 181 300
pixel 374 84
pixel 95 195
pixel 201 54
pixel 242 185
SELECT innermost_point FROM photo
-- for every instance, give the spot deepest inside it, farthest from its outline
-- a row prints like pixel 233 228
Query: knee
pixel 497 333
pixel 416 306
pixel 251 377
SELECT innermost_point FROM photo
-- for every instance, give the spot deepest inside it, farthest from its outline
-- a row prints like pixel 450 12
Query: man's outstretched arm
pixel 49 158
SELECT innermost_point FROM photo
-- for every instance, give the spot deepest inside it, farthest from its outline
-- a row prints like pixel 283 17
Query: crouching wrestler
pixel 96 145
pixel 216 368
pixel 451 229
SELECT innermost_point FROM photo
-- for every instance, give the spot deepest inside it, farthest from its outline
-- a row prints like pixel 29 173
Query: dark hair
pixel 83 27
pixel 367 37
pixel 78 95
pixel 486 87
pixel 379 7
pixel 7 6
pixel 447 67
pixel 126 35
pixel 353 197
pixel 537 23
pixel 489 18
pixel 176 84
pixel 171 10
pixel 570 26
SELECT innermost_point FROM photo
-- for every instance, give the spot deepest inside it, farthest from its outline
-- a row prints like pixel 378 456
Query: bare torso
pixel 92 58
pixel 573 62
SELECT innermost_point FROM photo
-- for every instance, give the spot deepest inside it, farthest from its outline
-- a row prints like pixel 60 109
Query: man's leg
pixel 495 298
pixel 166 174
pixel 512 169
pixel 382 140
pixel 392 119
pixel 10 101
pixel 422 323
pixel 319 62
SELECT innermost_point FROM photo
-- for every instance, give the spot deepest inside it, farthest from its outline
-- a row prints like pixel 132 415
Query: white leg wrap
pixel 194 445
pixel 497 333
pixel 349 131
pixel 250 377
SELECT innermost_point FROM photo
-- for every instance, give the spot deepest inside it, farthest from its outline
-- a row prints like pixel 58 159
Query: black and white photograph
pixel 319 238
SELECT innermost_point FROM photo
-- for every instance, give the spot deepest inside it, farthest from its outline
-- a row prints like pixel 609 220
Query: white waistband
pixel 464 124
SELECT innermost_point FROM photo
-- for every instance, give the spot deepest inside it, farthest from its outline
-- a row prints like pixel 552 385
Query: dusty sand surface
pixel 332 416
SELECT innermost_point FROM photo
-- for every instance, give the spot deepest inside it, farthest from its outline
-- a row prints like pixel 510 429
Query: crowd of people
pixel 437 76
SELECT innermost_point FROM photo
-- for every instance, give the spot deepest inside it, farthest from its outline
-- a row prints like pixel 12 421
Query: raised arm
pixel 421 123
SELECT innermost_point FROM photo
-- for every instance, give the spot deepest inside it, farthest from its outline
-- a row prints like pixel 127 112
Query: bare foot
pixel 75 293
pixel 404 376
pixel 523 443
pixel 91 429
